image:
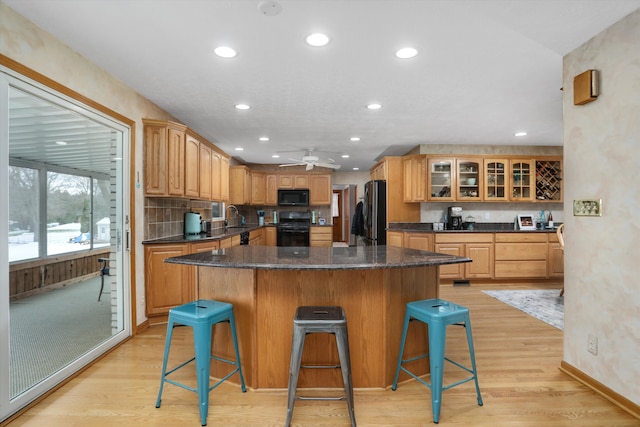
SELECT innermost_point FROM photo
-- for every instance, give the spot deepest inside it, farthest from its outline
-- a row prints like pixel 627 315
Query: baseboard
pixel 601 389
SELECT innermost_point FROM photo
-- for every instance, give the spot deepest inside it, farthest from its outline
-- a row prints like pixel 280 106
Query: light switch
pixel 587 207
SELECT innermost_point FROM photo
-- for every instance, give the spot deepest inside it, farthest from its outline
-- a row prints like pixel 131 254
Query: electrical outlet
pixel 487 215
pixel 592 344
pixel 587 207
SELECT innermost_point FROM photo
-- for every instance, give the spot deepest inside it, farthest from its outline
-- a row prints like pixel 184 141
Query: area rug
pixel 543 304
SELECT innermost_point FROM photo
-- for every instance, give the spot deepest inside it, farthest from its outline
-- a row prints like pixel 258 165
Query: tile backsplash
pixel 164 217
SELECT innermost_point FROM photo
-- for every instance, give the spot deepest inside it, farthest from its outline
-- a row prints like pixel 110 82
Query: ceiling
pixel 485 69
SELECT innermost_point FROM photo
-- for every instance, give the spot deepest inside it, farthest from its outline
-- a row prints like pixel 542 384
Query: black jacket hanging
pixel 357 225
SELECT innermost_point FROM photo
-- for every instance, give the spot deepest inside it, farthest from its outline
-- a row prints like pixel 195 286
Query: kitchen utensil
pixel 191 223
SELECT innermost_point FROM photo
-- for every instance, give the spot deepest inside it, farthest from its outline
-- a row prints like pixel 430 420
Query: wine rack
pixel 549 180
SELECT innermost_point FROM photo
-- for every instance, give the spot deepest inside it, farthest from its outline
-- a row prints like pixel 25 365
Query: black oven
pixel 294 229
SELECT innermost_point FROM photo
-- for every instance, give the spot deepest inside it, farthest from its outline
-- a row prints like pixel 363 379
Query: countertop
pixel 479 227
pixel 316 258
pixel 216 234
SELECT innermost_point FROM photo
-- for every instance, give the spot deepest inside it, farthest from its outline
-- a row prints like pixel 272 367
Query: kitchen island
pixel 266 284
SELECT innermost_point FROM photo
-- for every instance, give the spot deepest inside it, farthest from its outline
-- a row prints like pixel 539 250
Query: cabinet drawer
pixel 520 269
pixel 464 238
pixel 520 251
pixel 521 237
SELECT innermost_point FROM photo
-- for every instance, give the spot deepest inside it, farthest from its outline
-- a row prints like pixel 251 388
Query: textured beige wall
pixel 24 42
pixel 602 255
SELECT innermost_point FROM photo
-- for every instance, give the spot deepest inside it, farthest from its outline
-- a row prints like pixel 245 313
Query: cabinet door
pixel 155 161
pixel 395 238
pixel 415 179
pixel 321 237
pixel 271 236
pixel 495 186
pixel 216 176
pixel 451 271
pixel 191 178
pixel 239 185
pixel 522 181
pixel 440 179
pixel 224 179
pixel 271 184
pixel 483 261
pixel 205 172
pixel 176 185
pixel 469 177
pixel 320 190
pixel 285 181
pixel 258 188
pixel 549 180
pixel 420 241
pixel 556 260
pixel 166 285
pixel 301 181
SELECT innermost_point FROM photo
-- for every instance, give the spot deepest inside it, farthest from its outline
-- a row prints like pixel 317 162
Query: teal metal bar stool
pixel 201 315
pixel 319 319
pixel 437 314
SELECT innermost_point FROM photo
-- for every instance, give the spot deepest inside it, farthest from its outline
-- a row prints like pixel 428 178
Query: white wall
pixel 602 255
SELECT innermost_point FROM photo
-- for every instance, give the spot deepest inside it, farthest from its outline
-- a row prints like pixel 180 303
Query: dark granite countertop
pixel 216 234
pixel 316 258
pixel 479 227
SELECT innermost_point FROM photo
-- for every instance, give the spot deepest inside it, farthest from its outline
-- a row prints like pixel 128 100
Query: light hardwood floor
pixel 517 356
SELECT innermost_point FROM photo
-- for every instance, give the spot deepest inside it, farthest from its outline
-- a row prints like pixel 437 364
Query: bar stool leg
pixel 166 358
pixel 437 343
pixel 202 339
pixel 407 317
pixel 472 353
pixel 234 337
pixel 294 369
pixel 345 365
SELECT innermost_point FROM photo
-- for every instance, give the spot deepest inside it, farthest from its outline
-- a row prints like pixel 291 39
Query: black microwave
pixel 293 197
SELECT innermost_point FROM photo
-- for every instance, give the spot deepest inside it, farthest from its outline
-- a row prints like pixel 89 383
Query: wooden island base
pixel 265 302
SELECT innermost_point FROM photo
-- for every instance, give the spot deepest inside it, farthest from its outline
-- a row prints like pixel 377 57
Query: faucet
pixel 226 217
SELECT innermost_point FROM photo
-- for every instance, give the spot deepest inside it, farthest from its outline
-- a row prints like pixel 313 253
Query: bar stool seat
pixel 201 315
pixel 437 314
pixel 320 319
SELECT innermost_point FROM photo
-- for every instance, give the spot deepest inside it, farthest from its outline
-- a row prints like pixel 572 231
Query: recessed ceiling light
pixel 406 52
pixel 225 52
pixel 374 106
pixel 317 39
pixel 61 142
pixel 264 138
pixel 356 169
pixel 354 139
pixel 276 156
pixel 242 107
pixel 345 156
pixel 239 149
pixel 520 134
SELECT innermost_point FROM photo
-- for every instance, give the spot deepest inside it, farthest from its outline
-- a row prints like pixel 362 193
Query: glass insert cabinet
pixel 469 179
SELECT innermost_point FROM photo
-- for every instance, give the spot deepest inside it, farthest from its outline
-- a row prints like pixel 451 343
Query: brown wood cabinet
pixel 164 162
pixel 271 236
pixel 271 186
pixel 441 179
pixel 477 246
pixel 395 238
pixel 521 255
pixel 390 170
pixel 321 236
pixel 415 178
pixel 556 257
pixel 256 237
pixel 166 285
pixel 420 241
pixel 320 190
pixel 258 188
pixel 496 180
pixel 192 162
pixel 293 181
pixel 239 185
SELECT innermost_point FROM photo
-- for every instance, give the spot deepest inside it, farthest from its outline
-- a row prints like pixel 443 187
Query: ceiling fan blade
pixel 292 164
pixel 309 166
pixel 328 165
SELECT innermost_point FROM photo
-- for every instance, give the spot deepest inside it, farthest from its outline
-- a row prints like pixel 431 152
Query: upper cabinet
pixel 415 178
pixel 549 179
pixel 320 190
pixel 164 161
pixel 178 163
pixel 496 180
pixel 271 185
pixel 522 180
pixel 441 179
pixel 469 179
pixel 239 185
pixel 293 181
pixel 258 188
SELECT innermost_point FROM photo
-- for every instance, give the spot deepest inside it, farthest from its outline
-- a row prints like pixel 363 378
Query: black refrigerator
pixel 374 211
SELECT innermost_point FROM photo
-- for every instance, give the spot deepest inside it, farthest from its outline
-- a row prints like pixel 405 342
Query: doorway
pixel 66 209
pixel 343 207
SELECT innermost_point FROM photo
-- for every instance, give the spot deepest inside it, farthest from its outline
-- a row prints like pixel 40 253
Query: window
pixel 24 213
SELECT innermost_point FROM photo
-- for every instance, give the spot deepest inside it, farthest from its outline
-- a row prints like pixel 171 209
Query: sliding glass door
pixel 64 294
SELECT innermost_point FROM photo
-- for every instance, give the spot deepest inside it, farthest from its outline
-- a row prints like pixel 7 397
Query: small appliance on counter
pixel 469 223
pixel 454 218
pixel 192 224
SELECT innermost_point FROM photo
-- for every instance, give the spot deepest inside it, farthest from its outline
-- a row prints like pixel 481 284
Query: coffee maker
pixel 454 218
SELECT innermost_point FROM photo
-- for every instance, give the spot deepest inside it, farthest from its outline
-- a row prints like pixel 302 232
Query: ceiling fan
pixel 309 160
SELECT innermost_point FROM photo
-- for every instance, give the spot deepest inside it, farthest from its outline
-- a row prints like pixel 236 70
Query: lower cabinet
pixel 321 236
pixel 256 237
pixel 271 236
pixel 556 257
pixel 521 255
pixel 395 238
pixel 477 246
pixel 166 285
